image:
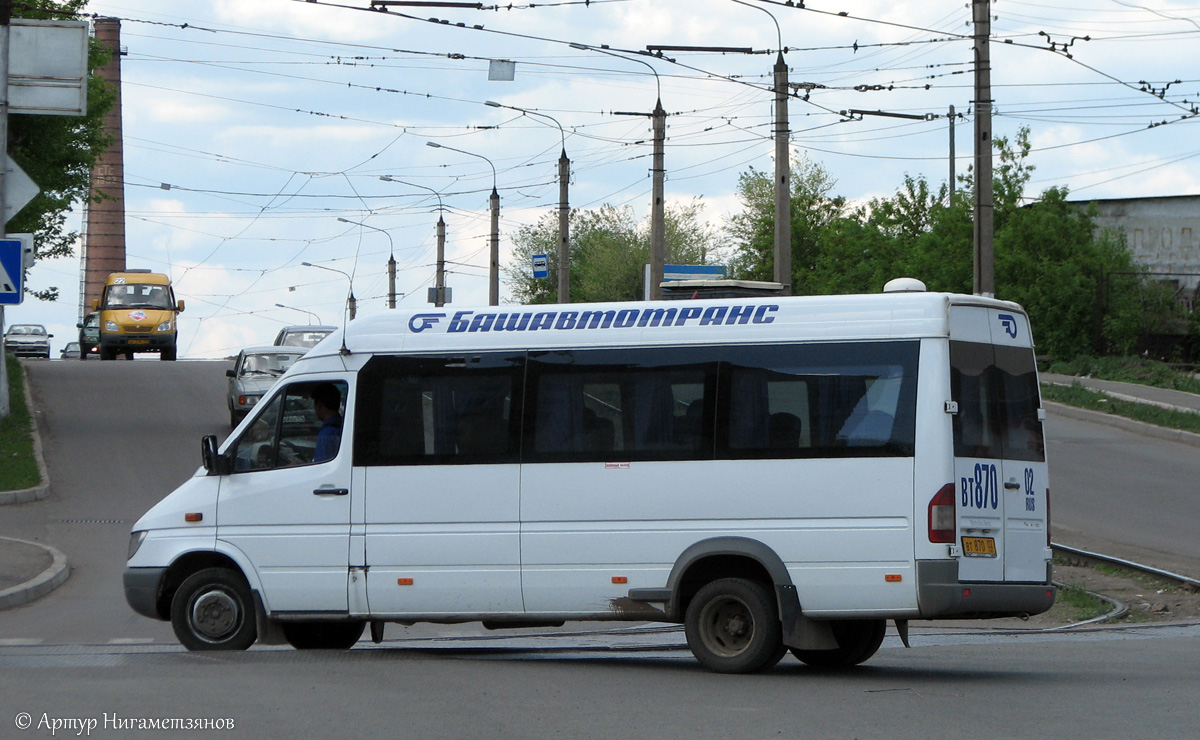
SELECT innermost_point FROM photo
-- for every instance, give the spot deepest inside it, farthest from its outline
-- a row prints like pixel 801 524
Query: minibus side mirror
pixel 95 304
pixel 214 462
pixel 180 308
pixel 230 373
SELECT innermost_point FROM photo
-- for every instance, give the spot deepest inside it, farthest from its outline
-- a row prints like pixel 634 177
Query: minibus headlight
pixel 165 326
pixel 111 326
pixel 135 541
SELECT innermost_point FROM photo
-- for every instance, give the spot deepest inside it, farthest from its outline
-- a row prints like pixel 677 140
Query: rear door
pixel 1001 478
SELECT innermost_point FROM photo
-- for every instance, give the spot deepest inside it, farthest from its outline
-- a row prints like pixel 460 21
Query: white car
pixel 253 373
pixel 27 340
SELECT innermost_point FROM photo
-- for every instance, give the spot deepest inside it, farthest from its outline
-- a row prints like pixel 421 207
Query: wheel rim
pixel 727 626
pixel 215 614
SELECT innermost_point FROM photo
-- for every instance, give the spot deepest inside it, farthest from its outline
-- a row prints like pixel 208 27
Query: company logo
pixel 1009 322
pixel 137 315
pixel 628 318
pixel 422 321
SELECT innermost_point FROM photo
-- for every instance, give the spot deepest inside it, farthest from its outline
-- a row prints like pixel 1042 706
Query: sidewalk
pixel 28 571
pixel 1161 397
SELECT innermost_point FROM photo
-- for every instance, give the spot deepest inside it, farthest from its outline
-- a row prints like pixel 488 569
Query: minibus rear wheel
pixel 732 626
pixel 323 635
pixel 214 610
pixel 858 639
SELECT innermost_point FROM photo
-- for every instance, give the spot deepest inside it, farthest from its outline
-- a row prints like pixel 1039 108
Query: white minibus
pixel 774 473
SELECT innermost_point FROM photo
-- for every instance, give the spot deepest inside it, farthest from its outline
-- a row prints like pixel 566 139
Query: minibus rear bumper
pixel 940 595
pixel 141 590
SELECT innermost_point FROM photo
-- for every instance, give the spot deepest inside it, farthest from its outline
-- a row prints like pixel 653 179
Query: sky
pixel 251 128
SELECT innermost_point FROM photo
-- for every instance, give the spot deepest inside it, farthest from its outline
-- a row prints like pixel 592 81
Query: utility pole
pixel 5 16
pixel 564 227
pixel 783 188
pixel 440 279
pixel 950 115
pixel 984 201
pixel 658 240
pixel 494 242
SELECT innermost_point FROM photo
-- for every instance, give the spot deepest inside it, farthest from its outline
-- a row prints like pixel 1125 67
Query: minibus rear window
pixel 997 394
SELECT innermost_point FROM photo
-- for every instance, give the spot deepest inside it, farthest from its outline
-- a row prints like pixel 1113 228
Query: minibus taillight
pixel 941 515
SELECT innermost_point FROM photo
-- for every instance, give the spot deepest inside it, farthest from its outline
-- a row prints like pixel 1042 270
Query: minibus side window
pixel 438 410
pixel 293 428
pixel 820 400
pixel 620 404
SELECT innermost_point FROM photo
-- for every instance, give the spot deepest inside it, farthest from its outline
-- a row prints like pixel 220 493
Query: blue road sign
pixel 541 266
pixel 693 272
pixel 12 274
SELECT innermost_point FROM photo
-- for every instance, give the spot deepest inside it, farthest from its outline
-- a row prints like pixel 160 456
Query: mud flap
pixel 269 631
pixel 902 628
pixel 799 631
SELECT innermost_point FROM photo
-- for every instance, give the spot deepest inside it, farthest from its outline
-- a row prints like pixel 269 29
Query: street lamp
pixel 564 209
pixel 391 259
pixel 439 287
pixel 351 304
pixel 658 239
pixel 494 201
pixel 301 310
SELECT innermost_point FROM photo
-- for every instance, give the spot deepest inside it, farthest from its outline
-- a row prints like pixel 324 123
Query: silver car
pixel 303 336
pixel 252 375
pixel 27 340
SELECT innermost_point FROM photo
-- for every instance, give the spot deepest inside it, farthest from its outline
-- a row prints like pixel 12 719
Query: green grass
pixel 1077 395
pixel 1077 604
pixel 1129 370
pixel 18 469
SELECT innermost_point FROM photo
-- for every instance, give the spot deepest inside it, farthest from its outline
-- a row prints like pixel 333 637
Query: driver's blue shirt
pixel 328 439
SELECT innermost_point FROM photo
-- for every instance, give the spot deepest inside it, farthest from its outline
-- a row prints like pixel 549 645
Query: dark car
pixel 302 336
pixel 70 351
pixel 27 340
pixel 89 336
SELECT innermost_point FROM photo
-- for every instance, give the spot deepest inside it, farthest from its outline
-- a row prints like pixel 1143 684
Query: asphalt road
pixel 1116 684
pixel 1125 495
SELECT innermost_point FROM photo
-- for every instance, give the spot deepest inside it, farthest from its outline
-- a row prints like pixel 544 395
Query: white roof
pixel 642 323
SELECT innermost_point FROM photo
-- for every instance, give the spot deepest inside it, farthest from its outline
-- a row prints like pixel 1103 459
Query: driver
pixel 327 400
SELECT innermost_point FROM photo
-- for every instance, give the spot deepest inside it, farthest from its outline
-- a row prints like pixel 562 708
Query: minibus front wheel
pixel 732 626
pixel 213 609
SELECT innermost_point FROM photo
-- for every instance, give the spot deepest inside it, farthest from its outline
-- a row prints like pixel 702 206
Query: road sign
pixel 693 272
pixel 47 72
pixel 19 189
pixel 541 266
pixel 12 276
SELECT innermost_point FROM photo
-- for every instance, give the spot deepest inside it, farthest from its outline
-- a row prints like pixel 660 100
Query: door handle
pixel 331 492
pixel 1012 485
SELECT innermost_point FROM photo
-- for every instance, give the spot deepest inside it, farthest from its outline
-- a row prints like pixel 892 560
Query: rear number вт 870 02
pixel 983 490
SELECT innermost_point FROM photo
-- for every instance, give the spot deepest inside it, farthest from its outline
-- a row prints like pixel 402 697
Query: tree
pixel 608 251
pixel 1049 255
pixel 57 152
pixel 752 231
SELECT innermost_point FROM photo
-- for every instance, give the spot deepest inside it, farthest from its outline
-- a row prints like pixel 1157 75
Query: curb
pixel 1129 425
pixel 41 491
pixel 41 584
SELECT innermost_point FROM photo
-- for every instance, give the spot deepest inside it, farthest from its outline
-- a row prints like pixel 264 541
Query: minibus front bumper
pixel 141 590
pixel 138 342
pixel 940 595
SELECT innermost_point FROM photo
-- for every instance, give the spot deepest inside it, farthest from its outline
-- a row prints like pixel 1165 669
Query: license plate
pixel 979 547
pixel 139 341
